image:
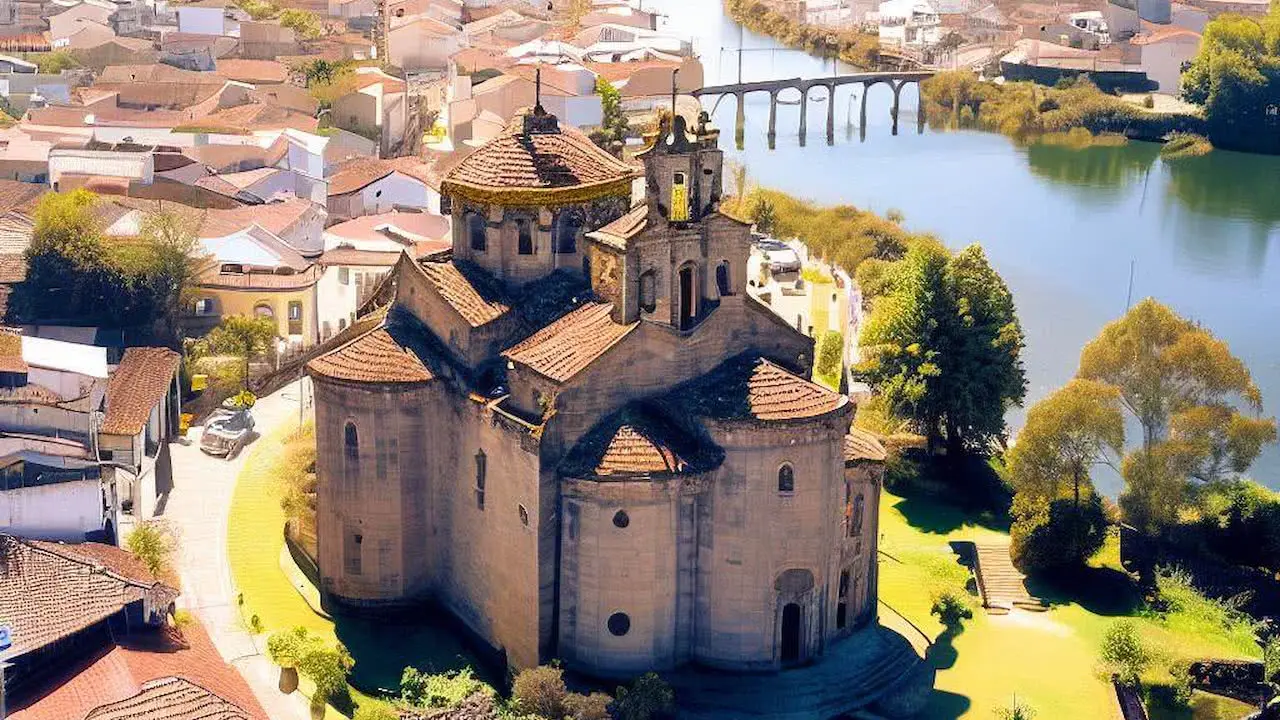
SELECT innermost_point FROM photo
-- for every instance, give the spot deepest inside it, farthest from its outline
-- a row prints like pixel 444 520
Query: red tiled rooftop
pixel 375 357
pixel 357 173
pixel 569 345
pixel 538 161
pixel 754 388
pixel 214 278
pixel 619 232
pixel 468 291
pixel 862 445
pixel 138 384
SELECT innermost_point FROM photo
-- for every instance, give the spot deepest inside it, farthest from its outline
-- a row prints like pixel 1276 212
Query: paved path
pixel 198 507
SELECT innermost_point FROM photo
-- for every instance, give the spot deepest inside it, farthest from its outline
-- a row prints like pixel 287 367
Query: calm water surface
pixel 1062 226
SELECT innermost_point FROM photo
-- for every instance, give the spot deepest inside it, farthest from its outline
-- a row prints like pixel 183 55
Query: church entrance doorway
pixel 686 297
pixel 790 634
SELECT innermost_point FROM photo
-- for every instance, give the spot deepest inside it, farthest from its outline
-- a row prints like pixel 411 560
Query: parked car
pixel 778 256
pixel 226 431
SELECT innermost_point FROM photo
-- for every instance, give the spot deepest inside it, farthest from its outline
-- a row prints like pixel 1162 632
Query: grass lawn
pixel 1048 660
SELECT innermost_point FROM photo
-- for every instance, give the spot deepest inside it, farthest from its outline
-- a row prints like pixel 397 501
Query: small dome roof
pixel 639 441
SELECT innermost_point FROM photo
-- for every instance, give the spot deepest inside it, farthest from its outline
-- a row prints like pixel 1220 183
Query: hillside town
pixel 408 359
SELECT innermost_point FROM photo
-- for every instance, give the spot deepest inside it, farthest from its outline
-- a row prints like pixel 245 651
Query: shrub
pixel 285 648
pixel 951 607
pixel 1055 535
pixel 154 542
pixel 1186 608
pixel 830 353
pixel 1184 145
pixel 648 697
pixel 540 691
pixel 588 707
pixel 327 668
pixel 1016 711
pixel 1124 652
pixel 444 690
pixel 1149 101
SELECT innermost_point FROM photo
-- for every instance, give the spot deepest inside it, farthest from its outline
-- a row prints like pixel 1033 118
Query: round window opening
pixel 619 624
pixel 621 519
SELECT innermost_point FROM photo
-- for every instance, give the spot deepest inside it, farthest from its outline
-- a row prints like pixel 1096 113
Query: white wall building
pixel 203 18
pixel 909 23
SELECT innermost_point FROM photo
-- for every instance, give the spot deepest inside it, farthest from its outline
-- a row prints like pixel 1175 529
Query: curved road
pixel 198 507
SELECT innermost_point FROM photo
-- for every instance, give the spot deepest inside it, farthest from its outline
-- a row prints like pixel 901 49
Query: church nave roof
pixel 569 345
pixel 392 352
pixel 752 387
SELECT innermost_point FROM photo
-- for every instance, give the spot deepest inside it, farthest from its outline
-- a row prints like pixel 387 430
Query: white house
pixel 1164 50
pixel 909 23
pixel 422 43
pixel 369 186
pixel 52 497
pixel 207 17
pixel 359 252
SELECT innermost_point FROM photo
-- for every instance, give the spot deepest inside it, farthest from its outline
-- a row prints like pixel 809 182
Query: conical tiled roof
pixel 535 160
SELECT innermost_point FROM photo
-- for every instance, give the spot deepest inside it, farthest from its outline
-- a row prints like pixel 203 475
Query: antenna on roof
pixel 674 73
pixel 537 90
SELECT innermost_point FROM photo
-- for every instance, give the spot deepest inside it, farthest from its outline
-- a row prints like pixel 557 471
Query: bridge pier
pixel 831 114
pixel 919 109
pixel 740 122
pixel 804 115
pixel 862 116
pixel 773 119
pixel 897 91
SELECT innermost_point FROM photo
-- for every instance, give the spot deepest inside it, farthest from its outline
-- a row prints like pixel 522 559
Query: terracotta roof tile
pixel 354 256
pixel 19 195
pixel 862 445
pixel 11 352
pixel 382 355
pixel 139 383
pixel 618 233
pixel 212 277
pixel 555 158
pixel 276 217
pixel 569 345
pixel 13 268
pixel 749 387
pixel 170 698
pixel 358 172
pixel 640 441
pixel 251 71
pixel 468 290
pixel 51 590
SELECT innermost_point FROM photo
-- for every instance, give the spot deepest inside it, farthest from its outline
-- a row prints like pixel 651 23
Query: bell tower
pixel 683 169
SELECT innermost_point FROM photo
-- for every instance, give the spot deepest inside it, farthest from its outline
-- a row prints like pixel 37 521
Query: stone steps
pixel 1002 585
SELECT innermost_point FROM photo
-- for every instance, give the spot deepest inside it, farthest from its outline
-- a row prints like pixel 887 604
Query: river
pixel 1064 227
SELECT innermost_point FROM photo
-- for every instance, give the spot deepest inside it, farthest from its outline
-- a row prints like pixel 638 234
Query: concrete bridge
pixel 894 79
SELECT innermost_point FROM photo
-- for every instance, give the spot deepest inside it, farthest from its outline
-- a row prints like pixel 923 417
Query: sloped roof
pixel 472 293
pixel 251 71
pixel 170 698
pixel 542 160
pixel 750 387
pixel 391 353
pixel 569 345
pixel 357 173
pixel 275 216
pixel 51 591
pixel 863 445
pixel 618 233
pixel 640 441
pixel 19 195
pixel 139 383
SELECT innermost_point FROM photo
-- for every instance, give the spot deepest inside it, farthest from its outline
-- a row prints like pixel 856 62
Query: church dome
pixel 535 161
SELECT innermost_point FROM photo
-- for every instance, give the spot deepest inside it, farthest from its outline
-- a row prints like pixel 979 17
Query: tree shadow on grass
pixel 942 654
pixel 931 514
pixel 945 705
pixel 1102 591
pixel 941 495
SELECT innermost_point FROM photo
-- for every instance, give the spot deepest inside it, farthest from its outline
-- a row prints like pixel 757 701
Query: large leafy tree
pixel 613 124
pixel 243 337
pixel 1236 77
pixel 1066 435
pixel 1198 406
pixel 943 347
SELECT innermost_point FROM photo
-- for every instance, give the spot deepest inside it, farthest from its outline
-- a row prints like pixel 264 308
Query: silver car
pixel 226 431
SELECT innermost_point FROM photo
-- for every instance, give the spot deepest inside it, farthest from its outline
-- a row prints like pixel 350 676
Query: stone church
pixel 579 434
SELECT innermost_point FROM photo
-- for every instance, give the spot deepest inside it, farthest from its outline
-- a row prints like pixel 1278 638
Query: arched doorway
pixel 790 641
pixel 688 300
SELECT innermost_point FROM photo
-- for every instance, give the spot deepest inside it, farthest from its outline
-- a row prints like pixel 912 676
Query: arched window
pixel 351 442
pixel 263 310
pixel 524 229
pixel 648 291
pixel 476 232
pixel 786 478
pixel 722 279
pixel 567 226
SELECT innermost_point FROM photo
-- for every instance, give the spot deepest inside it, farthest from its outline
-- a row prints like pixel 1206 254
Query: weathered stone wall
pixel 412 497
pixel 621 553
pixel 858 545
pixel 472 345
pixel 750 535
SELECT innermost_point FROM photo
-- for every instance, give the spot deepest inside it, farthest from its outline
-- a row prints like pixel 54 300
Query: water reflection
pixel 1093 168
pixel 1228 185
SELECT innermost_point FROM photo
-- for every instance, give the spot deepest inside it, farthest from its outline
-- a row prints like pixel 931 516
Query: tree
pixel 1236 77
pixel 443 690
pixel 1124 652
pixel 648 697
pixel 1187 392
pixel 830 356
pixel 305 24
pixel 327 668
pixel 53 63
pixel 613 126
pixel 540 691
pixel 243 337
pixel 154 542
pixel 171 264
pixel 588 707
pixel 1056 533
pixel 763 215
pixel 951 607
pixel 1065 436
pixel 943 347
